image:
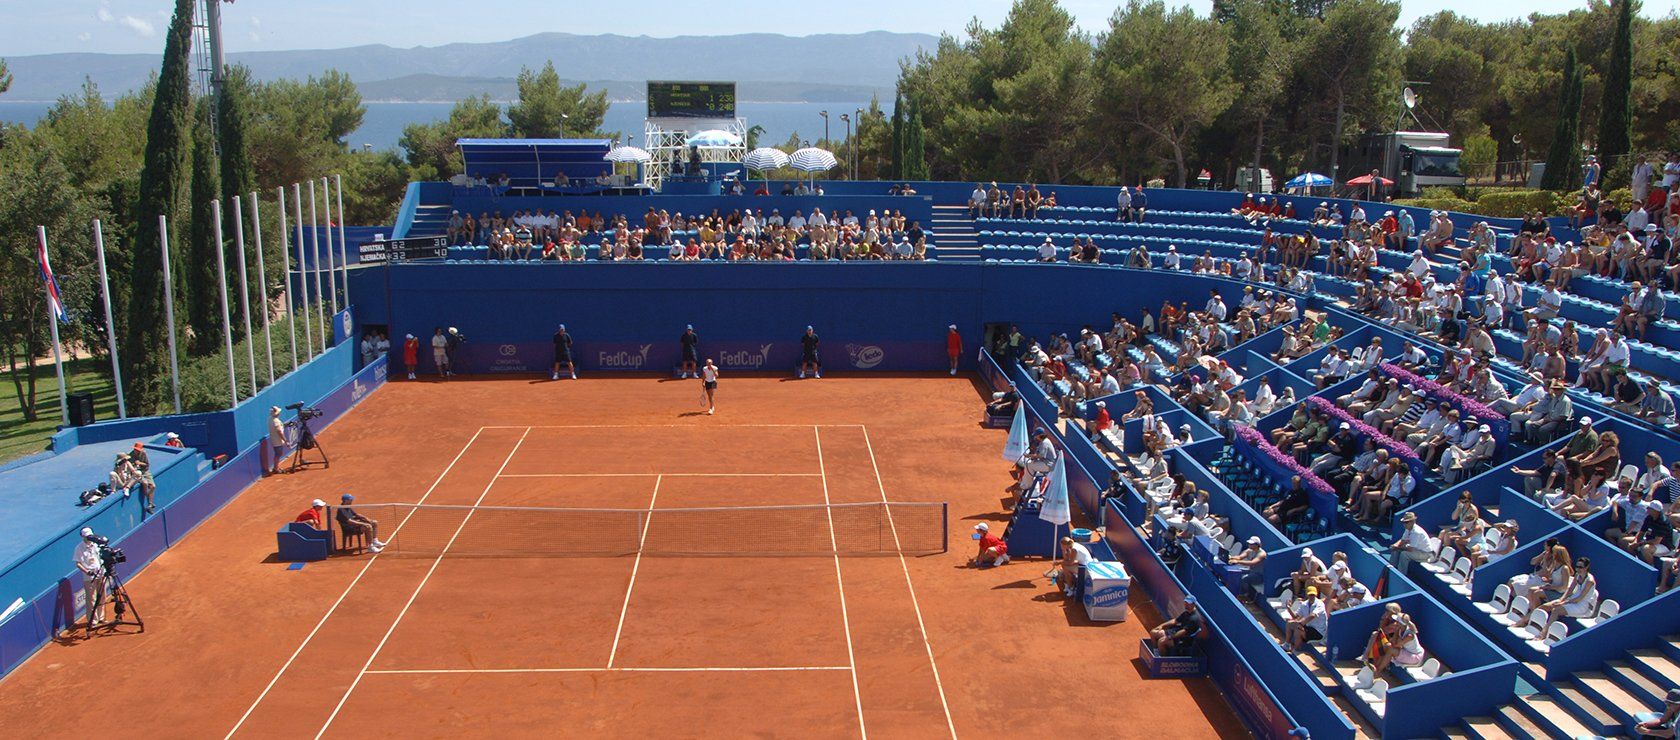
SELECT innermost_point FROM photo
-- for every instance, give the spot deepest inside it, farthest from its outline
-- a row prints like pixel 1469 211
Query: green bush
pixel 1621 196
pixel 1516 203
pixel 1440 203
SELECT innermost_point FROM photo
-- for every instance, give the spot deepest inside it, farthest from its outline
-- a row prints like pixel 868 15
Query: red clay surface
pixel 421 646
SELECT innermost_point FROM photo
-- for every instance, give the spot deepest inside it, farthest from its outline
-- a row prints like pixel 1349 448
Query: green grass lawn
pixel 19 438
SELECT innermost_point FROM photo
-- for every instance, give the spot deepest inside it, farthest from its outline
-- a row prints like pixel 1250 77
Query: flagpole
pixel 315 268
pixel 303 276
pixel 221 284
pixel 169 312
pixel 244 289
pixel 110 324
pixel 343 250
pixel 332 267
pixel 52 322
pixel 262 284
pixel 286 275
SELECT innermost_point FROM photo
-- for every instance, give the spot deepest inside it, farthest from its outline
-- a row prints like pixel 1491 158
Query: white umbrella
pixel 713 138
pixel 812 159
pixel 628 154
pixel 765 158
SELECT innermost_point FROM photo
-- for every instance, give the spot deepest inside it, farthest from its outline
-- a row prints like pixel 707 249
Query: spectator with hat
pixel 1660 724
pixel 313 516
pixel 1178 635
pixel 1308 621
pixel 1414 543
pixel 173 440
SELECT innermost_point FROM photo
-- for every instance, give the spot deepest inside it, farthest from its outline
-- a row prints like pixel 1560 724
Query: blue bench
pixel 299 543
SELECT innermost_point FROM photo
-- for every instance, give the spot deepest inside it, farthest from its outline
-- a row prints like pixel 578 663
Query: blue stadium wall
pixel 627 316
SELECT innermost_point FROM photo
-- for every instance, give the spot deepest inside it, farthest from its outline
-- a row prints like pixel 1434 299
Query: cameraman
pixel 276 440
pixel 93 575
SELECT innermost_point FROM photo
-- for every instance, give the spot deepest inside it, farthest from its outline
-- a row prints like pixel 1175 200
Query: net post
pixel 945 526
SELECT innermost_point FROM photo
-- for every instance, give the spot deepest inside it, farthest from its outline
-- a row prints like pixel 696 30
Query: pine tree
pixel 1563 160
pixel 896 168
pixel 202 288
pixel 163 190
pixel 915 149
pixel 1615 122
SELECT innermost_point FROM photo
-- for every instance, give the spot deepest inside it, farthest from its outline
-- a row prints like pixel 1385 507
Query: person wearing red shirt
pixel 953 347
pixel 411 354
pixel 173 440
pixel 312 515
pixel 1102 422
pixel 993 551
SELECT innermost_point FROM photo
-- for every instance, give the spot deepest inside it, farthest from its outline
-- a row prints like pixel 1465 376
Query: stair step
pixel 1635 683
pixel 1670 644
pixel 1361 726
pixel 1615 700
pixel 1658 665
pixel 1549 711
pixel 1517 723
pixel 1583 703
pixel 1486 728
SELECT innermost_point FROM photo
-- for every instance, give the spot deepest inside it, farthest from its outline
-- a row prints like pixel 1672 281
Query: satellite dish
pixel 1409 97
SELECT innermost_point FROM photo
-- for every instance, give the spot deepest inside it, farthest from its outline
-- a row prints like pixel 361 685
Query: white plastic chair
pixel 1500 603
pixel 1363 679
pixel 1375 697
pixel 1555 633
pixel 1281 602
pixel 1538 621
pixel 1444 563
pixel 1519 607
pixel 1606 610
pixel 1431 668
pixel 1459 574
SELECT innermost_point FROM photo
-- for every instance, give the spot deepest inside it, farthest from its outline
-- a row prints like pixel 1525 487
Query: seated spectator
pixel 173 440
pixel 354 524
pixel 1177 636
pixel 1308 621
pixel 1661 724
pixel 1394 641
pixel 1578 599
pixel 1291 507
pixel 1311 571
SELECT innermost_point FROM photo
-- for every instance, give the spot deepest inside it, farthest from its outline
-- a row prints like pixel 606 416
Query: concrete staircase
pixel 430 219
pixel 1588 704
pixel 954 234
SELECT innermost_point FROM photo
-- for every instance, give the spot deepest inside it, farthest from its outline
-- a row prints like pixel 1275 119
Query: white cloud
pixel 84 36
pixel 255 21
pixel 137 25
pixel 104 13
pixel 255 37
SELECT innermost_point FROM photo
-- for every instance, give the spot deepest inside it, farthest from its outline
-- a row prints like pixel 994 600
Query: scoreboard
pixel 691 99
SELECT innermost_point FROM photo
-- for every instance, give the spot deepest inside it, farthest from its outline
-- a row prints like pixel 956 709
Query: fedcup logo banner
pixel 635 358
pixel 865 356
pixel 745 357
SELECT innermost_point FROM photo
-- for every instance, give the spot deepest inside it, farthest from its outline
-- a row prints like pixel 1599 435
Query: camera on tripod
pixel 303 438
pixel 305 413
pixel 109 556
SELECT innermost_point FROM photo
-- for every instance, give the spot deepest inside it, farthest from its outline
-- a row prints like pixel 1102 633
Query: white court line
pixel 845 619
pixel 765 669
pixel 417 588
pixel 949 724
pixel 641 544
pixel 654 475
pixel 347 589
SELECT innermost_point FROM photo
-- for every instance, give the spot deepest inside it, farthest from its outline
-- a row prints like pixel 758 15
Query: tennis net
pixel 878 528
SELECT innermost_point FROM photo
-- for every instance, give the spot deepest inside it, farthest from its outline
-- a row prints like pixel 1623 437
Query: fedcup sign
pixel 865 356
pixel 748 358
pixel 624 359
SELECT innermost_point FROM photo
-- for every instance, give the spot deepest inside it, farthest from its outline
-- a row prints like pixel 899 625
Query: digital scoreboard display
pixel 691 99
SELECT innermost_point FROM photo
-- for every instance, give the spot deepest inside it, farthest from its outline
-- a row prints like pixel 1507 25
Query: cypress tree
pixel 915 154
pixel 204 310
pixel 163 190
pixel 1615 122
pixel 237 174
pixel 1563 159
pixel 896 168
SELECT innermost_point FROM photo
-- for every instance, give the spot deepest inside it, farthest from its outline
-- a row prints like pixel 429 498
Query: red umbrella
pixel 1364 180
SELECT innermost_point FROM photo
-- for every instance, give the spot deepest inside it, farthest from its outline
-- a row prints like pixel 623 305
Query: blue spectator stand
pixel 298 543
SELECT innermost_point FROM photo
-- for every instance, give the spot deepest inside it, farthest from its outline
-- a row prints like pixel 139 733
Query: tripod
pixel 122 606
pixel 303 441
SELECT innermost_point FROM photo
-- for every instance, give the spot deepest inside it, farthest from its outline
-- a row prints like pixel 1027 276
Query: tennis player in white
pixel 708 382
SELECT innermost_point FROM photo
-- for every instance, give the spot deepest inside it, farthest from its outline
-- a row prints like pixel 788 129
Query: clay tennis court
pixel 498 637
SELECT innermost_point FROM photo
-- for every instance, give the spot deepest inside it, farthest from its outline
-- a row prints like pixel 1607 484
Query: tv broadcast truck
pixel 1414 160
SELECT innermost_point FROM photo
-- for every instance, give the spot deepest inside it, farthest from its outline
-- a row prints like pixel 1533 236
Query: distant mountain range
pixel 770 67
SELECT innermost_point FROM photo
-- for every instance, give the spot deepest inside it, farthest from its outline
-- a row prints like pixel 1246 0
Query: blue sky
pixel 35 27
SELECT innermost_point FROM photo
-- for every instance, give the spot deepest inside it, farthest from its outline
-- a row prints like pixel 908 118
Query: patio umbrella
pixel 812 159
pixel 1310 180
pixel 713 138
pixel 1364 180
pixel 765 158
pixel 628 154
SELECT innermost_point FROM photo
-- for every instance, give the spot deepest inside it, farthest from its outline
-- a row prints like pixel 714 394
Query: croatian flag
pixel 54 302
